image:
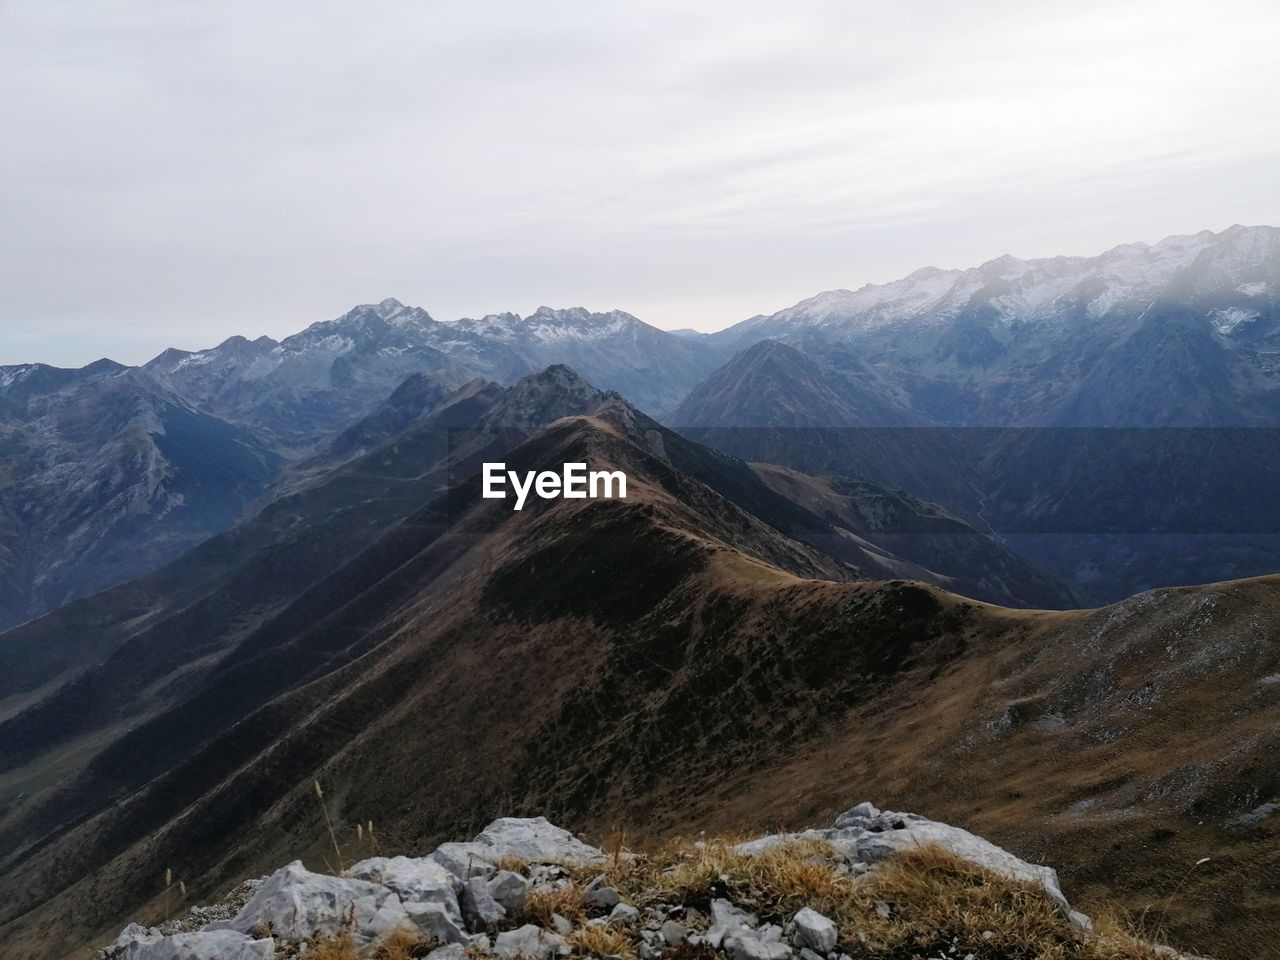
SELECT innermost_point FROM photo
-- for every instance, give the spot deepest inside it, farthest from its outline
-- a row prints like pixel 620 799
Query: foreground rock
pixel 477 898
pixel 203 945
pixel 296 904
pixel 867 835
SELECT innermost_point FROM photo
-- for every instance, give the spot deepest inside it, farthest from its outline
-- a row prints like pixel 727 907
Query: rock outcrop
pixel 498 895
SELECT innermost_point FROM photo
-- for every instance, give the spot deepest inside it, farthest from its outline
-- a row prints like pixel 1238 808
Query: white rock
pixel 624 913
pixel 450 951
pixel 535 840
pixel 205 945
pixel 815 931
pixel 562 924
pixel 725 915
pixel 509 889
pixel 858 816
pixel 295 903
pixel 479 906
pixel 463 860
pixel 902 832
pixel 744 945
pixel 436 921
pixel 602 898
pixel 530 941
pixel 413 879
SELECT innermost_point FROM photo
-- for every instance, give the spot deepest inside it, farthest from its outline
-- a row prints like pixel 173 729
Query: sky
pixel 173 173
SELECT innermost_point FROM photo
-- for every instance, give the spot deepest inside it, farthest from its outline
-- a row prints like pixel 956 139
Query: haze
pixel 172 174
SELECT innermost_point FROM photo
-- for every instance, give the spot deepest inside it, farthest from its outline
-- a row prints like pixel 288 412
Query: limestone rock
pixel 205 945
pixel 815 931
pixel 478 905
pixel 413 879
pixel 509 889
pixel 296 904
pixel 530 941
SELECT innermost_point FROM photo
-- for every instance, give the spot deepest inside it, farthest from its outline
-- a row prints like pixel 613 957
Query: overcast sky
pixel 172 173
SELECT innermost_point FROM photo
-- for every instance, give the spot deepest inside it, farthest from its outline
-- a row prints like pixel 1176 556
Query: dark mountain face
pixel 106 475
pixel 649 658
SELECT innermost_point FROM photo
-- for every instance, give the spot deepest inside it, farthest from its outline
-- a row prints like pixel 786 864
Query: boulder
pixel 891 834
pixel 437 922
pixel 205 945
pixel 725 915
pixel 815 931
pixel 478 905
pixel 743 944
pixel 865 835
pixel 534 840
pixel 413 880
pixel 601 898
pixel 530 941
pixel 463 860
pixel 623 914
pixel 296 904
pixel 509 889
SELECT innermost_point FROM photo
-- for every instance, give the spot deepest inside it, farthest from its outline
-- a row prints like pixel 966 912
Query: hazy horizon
pixel 174 178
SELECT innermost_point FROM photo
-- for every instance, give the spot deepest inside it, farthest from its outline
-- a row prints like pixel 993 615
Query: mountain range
pixel 855 538
pixel 693 652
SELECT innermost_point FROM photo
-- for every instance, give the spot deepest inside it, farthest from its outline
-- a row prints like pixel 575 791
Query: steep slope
pixel 105 476
pixel 73 679
pixel 773 403
pixel 902 536
pixel 673 660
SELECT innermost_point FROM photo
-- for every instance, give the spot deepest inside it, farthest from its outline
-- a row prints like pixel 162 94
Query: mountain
pixel 105 475
pixel 301 391
pixel 672 659
pixel 310 385
pixel 652 368
pixel 1113 418
pixel 1182 333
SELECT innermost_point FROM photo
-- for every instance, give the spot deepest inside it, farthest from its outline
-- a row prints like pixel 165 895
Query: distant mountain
pixel 889 382
pixel 302 390
pixel 652 368
pixel 106 474
pixel 657 654
pixel 773 385
pixel 1185 332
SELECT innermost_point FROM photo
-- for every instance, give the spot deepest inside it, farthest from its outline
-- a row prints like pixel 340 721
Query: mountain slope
pixel 301 391
pixel 671 658
pixel 105 476
pixel 1067 341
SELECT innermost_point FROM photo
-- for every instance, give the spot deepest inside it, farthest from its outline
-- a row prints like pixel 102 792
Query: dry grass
pixel 601 941
pixel 926 902
pixel 340 947
pixel 404 944
pixel 541 903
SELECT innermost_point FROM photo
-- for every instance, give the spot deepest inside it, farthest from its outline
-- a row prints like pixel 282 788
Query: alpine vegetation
pixel 875 885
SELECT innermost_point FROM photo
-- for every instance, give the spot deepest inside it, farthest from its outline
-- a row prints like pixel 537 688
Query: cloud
pixel 176 173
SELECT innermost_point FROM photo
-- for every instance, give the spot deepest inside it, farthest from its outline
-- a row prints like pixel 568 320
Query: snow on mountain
pixel 1021 291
